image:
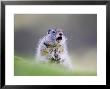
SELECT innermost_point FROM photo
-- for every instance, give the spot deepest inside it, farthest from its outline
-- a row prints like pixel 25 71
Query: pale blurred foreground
pixel 28 67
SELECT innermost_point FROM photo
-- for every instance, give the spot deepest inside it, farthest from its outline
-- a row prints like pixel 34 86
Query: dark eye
pixel 53 31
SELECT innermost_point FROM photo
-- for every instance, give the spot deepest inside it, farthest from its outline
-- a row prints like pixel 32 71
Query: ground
pixel 27 67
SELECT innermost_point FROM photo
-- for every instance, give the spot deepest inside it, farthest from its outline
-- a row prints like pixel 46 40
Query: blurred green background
pixel 80 30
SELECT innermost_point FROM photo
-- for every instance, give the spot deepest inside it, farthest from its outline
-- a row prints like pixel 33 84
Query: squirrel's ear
pixel 49 31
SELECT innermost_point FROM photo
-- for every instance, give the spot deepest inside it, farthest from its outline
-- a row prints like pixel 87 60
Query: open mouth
pixel 59 38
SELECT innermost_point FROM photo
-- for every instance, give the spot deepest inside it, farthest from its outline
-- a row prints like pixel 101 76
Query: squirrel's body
pixel 52 48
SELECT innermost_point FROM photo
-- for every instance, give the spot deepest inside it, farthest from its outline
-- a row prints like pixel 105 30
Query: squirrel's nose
pixel 60 34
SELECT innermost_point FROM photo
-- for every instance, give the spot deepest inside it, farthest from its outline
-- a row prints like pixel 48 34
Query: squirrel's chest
pixel 52 49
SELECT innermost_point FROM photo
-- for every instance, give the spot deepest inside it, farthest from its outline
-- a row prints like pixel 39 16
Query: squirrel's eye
pixel 53 31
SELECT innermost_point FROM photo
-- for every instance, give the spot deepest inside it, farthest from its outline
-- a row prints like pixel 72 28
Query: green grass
pixel 29 67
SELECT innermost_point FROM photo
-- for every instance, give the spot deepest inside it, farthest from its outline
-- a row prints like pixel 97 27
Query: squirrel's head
pixel 52 31
pixel 56 34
